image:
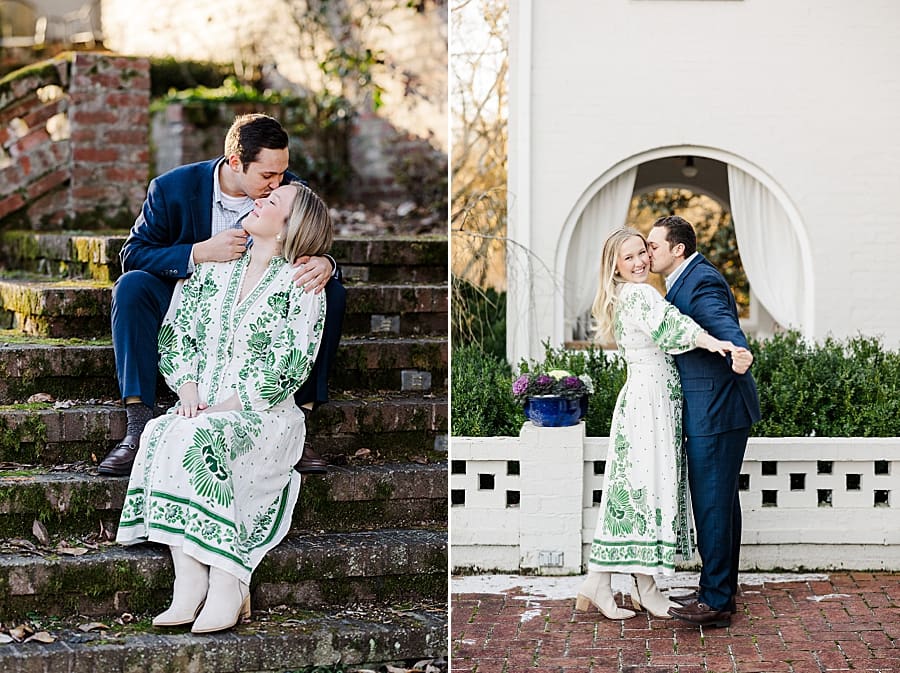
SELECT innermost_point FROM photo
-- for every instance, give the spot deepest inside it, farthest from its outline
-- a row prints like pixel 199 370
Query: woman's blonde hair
pixel 308 230
pixel 604 308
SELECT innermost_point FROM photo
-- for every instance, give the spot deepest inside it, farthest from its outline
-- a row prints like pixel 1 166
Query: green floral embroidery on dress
pixel 279 304
pixel 642 521
pixel 205 462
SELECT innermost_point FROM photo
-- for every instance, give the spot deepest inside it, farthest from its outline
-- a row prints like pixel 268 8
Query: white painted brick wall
pixel 828 523
pixel 806 91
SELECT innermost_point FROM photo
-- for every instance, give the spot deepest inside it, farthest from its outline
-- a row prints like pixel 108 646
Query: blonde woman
pixel 213 478
pixel 643 520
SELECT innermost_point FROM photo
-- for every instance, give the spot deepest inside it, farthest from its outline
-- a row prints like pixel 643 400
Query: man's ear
pixel 678 250
pixel 234 163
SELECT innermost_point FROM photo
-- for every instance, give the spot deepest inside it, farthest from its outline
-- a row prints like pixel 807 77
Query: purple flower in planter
pixel 572 382
pixel 520 385
pixel 544 380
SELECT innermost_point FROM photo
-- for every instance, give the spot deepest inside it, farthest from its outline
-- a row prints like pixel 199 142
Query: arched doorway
pixel 771 235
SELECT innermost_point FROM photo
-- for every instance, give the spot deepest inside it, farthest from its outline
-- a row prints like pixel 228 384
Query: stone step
pixel 306 570
pixel 95 255
pixel 30 365
pixel 339 640
pixel 67 254
pixel 392 427
pixel 80 308
pixel 418 259
pixel 364 497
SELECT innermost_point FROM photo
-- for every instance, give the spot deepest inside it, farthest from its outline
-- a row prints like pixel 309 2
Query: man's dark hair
pixel 251 133
pixel 679 230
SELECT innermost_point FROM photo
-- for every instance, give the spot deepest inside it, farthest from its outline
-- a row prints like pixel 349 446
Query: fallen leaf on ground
pixel 40 532
pixel 37 398
pixel 126 618
pixel 72 551
pixel 361 453
pixel 421 460
pixel 20 632
pixel 6 639
pixel 93 626
pixel 41 637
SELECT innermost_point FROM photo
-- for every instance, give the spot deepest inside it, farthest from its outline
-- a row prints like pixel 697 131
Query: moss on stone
pixel 46 72
pixel 24 442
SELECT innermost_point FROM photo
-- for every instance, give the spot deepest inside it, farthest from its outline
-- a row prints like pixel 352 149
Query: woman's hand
pixel 708 342
pixel 189 403
pixel 231 404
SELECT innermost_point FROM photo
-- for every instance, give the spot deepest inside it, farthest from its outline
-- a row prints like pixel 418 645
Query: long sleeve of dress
pixel 672 331
pixel 180 355
pixel 281 348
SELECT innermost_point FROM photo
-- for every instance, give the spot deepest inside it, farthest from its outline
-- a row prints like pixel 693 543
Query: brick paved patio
pixel 842 621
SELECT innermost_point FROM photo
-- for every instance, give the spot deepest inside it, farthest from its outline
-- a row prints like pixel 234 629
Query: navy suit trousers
pixel 139 304
pixel 714 465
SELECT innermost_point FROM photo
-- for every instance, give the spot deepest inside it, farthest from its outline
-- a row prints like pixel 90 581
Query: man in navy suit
pixel 192 214
pixel 720 405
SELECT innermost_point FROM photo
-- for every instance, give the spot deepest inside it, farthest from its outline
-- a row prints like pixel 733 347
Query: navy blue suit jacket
pixel 176 214
pixel 716 399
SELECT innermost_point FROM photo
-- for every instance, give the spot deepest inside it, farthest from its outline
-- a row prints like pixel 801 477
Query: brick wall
pixel 73 141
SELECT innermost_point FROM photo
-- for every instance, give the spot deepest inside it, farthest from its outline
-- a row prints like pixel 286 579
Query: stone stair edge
pixel 348 498
pixel 305 569
pixel 324 638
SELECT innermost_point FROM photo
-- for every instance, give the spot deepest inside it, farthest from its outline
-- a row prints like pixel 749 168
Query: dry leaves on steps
pixel 40 532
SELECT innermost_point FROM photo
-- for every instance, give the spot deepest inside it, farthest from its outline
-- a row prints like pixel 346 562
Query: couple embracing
pixel 687 386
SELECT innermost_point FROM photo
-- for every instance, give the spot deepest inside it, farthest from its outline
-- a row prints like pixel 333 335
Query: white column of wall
pixel 551 460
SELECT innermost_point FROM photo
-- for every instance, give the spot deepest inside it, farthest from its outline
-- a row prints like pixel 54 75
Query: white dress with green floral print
pixel 643 520
pixel 222 485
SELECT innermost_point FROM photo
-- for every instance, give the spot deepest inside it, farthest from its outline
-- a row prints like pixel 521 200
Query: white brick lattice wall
pixel 530 503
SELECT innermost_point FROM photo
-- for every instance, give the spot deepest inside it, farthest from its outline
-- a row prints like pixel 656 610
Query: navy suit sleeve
pixel 714 308
pixel 156 243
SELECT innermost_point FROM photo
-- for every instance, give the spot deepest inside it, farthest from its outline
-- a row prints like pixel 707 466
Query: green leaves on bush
pixel 482 404
pixel 845 388
pixel 848 388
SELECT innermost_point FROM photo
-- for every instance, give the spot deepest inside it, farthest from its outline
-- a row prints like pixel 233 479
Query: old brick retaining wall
pixel 73 141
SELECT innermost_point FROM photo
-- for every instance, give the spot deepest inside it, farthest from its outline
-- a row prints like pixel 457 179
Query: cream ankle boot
pixel 648 595
pixel 188 592
pixel 227 601
pixel 597 590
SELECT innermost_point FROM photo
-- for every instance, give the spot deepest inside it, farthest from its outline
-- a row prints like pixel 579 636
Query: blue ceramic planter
pixel 551 411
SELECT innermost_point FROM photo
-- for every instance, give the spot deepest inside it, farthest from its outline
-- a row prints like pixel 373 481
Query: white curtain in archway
pixel 770 249
pixel 606 211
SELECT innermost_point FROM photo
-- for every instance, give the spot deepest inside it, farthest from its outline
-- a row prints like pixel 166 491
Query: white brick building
pixel 791 105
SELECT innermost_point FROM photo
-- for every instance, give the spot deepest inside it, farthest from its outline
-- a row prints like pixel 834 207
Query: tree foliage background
pixel 479 94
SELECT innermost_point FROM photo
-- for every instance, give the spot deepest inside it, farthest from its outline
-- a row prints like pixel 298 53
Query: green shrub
pixel 481 400
pixel 837 388
pixel 169 74
pixel 848 388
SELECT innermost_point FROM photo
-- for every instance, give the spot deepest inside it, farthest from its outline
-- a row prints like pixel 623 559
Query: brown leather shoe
pixel 118 462
pixel 311 462
pixel 694 596
pixel 702 615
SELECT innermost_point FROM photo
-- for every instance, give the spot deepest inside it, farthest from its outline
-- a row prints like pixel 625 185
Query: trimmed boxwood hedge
pixel 836 388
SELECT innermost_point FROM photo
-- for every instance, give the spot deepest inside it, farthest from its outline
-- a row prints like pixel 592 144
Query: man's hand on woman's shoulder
pixel 312 273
